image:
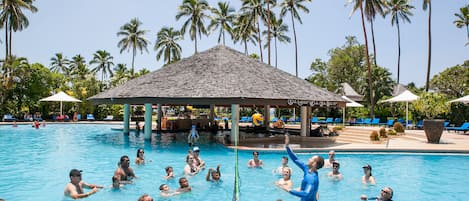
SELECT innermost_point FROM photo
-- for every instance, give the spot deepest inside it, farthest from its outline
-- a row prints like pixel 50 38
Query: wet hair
pixel 142 198
pixel 255 152
pixel 284 157
pixel 74 172
pixel 319 162
pixel 336 163
pixel 167 168
pixel 392 192
pixel 161 186
pixel 123 158
pixel 138 151
pixel 182 178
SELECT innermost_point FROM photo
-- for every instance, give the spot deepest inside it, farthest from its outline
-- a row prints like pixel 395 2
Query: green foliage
pixel 391 132
pixel 374 136
pixel 432 104
pixel 453 81
pixel 398 127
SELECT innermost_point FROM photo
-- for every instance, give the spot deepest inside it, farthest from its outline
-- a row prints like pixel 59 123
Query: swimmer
pixel 145 197
pixel 14 124
pixel 140 157
pixel 197 160
pixel 283 165
pixel 116 183
pixel 255 162
pixel 193 136
pixel 74 189
pixel 166 192
pixel 368 178
pixel 215 174
pixel 184 185
pixel 310 182
pixel 124 172
pixel 335 174
pixel 285 181
pixel 169 173
pixel 330 160
pixel 386 195
pixel 190 169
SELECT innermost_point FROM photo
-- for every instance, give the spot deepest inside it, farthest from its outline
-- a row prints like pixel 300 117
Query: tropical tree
pixel 359 5
pixel 222 19
pixel 133 38
pixel 293 6
pixel 453 81
pixel 399 9
pixel 59 63
pixel 120 76
pixel 194 10
pixel 103 61
pixel 278 31
pixel 463 19
pixel 14 19
pixel 427 4
pixel 244 31
pixel 167 45
pixel 373 7
pixel 78 67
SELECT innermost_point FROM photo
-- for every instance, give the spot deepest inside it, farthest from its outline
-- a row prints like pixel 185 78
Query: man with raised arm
pixel 310 182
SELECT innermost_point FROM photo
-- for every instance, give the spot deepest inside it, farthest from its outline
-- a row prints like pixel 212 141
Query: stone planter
pixel 433 130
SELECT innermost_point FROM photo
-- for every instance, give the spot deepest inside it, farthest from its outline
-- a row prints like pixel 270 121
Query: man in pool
pixel 310 182
pixel 335 175
pixel 330 160
pixel 386 195
pixel 184 185
pixel 255 162
pixel 124 172
pixel 74 189
pixel 214 174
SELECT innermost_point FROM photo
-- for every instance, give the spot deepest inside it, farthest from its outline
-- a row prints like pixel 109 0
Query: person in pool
pixel 283 165
pixel 193 136
pixel 145 197
pixel 166 192
pixel 116 183
pixel 368 177
pixel 310 182
pixel 190 169
pixel 215 174
pixel 330 160
pixel 386 195
pixel 285 181
pixel 169 172
pixel 124 172
pixel 197 160
pixel 74 189
pixel 140 157
pixel 184 185
pixel 335 174
pixel 255 162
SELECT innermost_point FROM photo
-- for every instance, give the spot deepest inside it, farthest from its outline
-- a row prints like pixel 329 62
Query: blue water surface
pixel 35 164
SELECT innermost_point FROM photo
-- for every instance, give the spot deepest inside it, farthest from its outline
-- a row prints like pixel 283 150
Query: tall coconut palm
pixel 14 19
pixel 244 31
pixel 427 4
pixel 59 63
pixel 103 61
pixel 399 9
pixel 293 6
pixel 463 19
pixel 121 75
pixel 78 67
pixel 358 4
pixel 373 7
pixel 133 38
pixel 195 11
pixel 278 31
pixel 222 19
pixel 167 44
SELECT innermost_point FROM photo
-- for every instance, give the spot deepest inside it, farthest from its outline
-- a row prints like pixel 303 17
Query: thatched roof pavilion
pixel 220 76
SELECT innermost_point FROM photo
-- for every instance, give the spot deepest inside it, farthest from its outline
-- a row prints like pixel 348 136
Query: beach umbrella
pixel 350 103
pixel 60 97
pixel 406 97
pixel 464 99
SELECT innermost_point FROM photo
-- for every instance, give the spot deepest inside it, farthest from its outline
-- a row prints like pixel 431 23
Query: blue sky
pixel 82 27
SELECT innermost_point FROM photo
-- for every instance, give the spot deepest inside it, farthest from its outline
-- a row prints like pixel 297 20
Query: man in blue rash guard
pixel 310 182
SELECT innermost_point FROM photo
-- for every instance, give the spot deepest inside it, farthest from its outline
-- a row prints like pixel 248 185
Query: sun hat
pixel 367 166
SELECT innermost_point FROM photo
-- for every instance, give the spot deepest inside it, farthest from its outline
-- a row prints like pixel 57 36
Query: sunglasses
pixel 385 191
pixel 141 152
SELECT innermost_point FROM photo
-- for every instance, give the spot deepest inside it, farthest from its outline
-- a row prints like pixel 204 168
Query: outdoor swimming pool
pixel 36 162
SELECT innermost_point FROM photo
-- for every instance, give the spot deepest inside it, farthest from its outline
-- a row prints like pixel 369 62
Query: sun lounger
pixel 314 120
pixel 90 117
pixel 8 117
pixel 464 127
pixel 338 120
pixel 367 121
pixel 375 121
pixel 108 118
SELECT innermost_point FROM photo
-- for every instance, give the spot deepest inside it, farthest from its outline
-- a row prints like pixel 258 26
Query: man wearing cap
pixel 74 189
pixel 198 162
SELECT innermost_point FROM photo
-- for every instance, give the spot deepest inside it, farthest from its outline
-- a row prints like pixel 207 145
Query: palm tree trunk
pixel 133 58
pixel 296 48
pixel 195 41
pixel 370 79
pixel 260 40
pixel 429 45
pixel 398 50
pixel 245 48
pixel 9 50
pixel 373 40
pixel 268 32
pixel 6 41
pixel 467 29
pixel 275 52
pixel 223 35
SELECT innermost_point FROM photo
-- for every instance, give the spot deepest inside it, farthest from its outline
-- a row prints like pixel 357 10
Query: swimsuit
pixel 310 182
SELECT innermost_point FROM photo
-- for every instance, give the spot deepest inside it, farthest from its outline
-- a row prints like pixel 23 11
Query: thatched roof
pixel 220 76
pixel 348 91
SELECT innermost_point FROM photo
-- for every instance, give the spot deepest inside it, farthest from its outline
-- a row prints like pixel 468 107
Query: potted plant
pixel 431 105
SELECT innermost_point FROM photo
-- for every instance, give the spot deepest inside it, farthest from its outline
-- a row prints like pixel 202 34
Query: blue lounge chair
pixel 109 118
pixel 375 121
pixel 359 121
pixel 367 121
pixel 275 119
pixel 390 123
pixel 464 127
pixel 243 119
pixel 8 117
pixel 338 120
pixel 329 120
pixel 419 124
pixel 90 117
pixel 314 120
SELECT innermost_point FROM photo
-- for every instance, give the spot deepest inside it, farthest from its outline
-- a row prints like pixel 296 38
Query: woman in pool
pixel 368 178
pixel 190 169
pixel 169 173
pixel 255 162
pixel 140 157
pixel 285 181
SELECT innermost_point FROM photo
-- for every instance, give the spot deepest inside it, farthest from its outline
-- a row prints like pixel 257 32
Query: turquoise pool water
pixel 35 164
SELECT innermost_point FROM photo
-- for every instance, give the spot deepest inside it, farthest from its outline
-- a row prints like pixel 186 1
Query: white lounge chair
pixel 109 118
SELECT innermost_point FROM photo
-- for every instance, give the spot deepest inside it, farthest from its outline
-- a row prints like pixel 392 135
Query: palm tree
pixel 278 31
pixel 254 11
pixel 13 19
pixel 104 62
pixel 463 19
pixel 244 31
pixel 78 67
pixel 166 45
pixel 399 9
pixel 222 19
pixel 359 5
pixel 133 38
pixel 59 63
pixel 195 11
pixel 373 7
pixel 428 4
pixel 121 75
pixel 293 6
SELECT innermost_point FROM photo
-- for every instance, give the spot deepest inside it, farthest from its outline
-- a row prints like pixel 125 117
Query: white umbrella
pixel 350 103
pixel 406 97
pixel 464 99
pixel 62 97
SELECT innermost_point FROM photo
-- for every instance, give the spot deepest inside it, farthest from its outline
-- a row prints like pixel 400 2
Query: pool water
pixel 35 164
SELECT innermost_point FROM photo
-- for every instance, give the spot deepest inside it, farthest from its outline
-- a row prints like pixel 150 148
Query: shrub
pixel 383 133
pixel 398 127
pixel 337 128
pixel 391 132
pixel 374 136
